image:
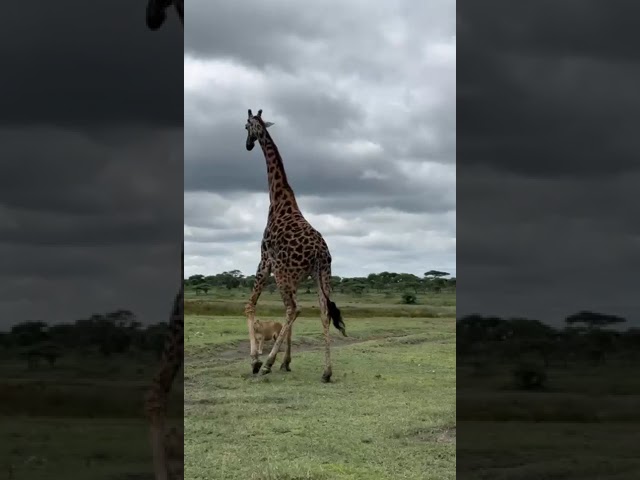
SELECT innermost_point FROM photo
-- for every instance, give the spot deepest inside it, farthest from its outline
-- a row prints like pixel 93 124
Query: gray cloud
pixel 91 180
pixel 364 111
pixel 85 66
pixel 545 137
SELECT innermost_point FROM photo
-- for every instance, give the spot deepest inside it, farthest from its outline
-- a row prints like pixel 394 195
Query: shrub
pixel 409 299
pixel 528 376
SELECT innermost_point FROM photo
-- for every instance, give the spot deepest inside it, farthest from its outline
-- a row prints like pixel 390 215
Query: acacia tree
pixel 436 279
pixel 431 274
pixel 593 319
pixel 29 333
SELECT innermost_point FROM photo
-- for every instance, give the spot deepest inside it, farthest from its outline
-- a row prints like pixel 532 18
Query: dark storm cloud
pixel 92 152
pixel 56 283
pixel 571 102
pixel 224 166
pixel 100 224
pixel 82 64
pixel 546 140
pixel 63 187
pixel 316 149
pixel 251 31
pixel 543 27
pixel 282 33
pixel 337 180
pixel 66 171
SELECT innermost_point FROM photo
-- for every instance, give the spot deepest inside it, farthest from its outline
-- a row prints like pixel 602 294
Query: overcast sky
pixel 363 99
pixel 548 172
pixel 91 158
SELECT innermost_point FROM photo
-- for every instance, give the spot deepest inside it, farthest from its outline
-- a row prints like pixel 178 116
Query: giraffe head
pixel 157 12
pixel 256 128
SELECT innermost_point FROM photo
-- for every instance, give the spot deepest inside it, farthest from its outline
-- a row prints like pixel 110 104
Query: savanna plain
pixel 542 402
pixel 71 398
pixel 389 412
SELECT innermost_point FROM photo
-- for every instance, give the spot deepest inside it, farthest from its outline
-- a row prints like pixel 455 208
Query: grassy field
pixel 82 418
pixel 583 424
pixel 389 414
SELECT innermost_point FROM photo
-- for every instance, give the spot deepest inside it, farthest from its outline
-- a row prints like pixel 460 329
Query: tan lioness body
pixel 267 331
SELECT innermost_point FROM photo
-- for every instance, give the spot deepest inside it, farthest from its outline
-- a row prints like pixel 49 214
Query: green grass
pixel 231 303
pixel 559 450
pixel 83 418
pixel 389 414
pixel 49 448
pixel 583 424
pixel 81 387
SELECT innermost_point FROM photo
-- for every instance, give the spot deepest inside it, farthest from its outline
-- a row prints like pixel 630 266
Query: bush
pixel 409 299
pixel 529 376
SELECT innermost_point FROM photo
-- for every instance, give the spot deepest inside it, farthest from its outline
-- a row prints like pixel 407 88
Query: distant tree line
pixel 433 281
pixel 584 338
pixel 110 333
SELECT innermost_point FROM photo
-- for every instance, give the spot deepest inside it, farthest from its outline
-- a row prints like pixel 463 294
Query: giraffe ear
pixel 268 124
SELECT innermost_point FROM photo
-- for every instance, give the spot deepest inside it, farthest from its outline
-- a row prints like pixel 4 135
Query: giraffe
pixel 158 393
pixel 173 353
pixel 292 250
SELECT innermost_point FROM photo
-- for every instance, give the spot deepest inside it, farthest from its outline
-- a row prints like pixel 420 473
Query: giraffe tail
pixel 334 313
pixel 336 316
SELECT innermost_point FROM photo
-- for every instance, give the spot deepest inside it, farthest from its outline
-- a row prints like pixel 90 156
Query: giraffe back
pixel 292 244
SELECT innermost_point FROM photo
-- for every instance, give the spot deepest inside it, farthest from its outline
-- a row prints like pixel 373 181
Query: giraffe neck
pixel 279 189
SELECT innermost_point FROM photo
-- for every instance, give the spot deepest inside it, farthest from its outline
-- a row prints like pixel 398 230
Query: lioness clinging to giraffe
pixel 292 250
pixel 268 331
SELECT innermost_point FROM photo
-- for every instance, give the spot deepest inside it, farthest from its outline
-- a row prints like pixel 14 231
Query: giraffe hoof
pixel 326 377
pixel 285 367
pixel 265 370
pixel 256 366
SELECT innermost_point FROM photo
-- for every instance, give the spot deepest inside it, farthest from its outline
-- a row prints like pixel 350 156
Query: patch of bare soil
pixel 444 434
pixel 302 344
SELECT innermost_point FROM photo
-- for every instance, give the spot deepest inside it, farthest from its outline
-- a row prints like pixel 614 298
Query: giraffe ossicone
pixel 292 250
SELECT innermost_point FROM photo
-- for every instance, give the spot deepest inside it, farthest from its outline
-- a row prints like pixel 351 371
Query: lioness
pixel 267 331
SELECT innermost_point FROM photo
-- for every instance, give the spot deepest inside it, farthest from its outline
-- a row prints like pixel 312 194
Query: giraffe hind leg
pixel 329 313
pixel 286 361
pixel 324 315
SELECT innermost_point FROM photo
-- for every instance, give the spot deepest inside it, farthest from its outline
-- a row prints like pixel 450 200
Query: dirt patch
pixel 433 434
pixel 444 434
pixel 301 344
pixel 416 340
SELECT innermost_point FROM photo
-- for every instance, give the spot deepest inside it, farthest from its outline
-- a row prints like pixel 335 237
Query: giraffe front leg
pixel 262 274
pixel 286 362
pixel 286 328
pixel 289 298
